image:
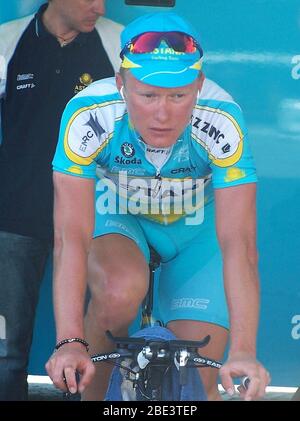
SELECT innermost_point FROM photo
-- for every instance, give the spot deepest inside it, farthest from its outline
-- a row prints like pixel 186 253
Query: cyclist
pixel 133 169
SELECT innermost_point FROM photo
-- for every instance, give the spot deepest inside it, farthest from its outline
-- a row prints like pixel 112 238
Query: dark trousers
pixel 22 265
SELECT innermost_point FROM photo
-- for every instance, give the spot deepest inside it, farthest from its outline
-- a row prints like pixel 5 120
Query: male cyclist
pixel 158 157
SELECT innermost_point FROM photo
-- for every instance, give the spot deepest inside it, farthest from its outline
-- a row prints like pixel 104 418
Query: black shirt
pixel 42 77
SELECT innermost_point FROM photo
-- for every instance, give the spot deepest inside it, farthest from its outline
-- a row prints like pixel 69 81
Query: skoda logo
pixel 127 150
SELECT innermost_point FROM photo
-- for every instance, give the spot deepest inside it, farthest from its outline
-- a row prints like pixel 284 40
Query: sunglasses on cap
pixel 149 41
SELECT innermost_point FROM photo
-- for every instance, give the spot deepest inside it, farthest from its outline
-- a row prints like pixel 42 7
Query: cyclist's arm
pixel 73 226
pixel 236 230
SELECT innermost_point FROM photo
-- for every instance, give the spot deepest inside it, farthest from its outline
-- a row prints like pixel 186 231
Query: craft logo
pixel 25 77
pixel 127 150
pixel 184 170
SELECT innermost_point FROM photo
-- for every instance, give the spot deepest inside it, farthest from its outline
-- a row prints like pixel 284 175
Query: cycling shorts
pixel 190 278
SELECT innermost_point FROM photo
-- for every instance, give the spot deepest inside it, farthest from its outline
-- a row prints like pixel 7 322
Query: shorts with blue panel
pixel 191 276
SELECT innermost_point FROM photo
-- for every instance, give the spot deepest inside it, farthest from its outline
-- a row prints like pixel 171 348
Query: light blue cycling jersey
pixel 97 141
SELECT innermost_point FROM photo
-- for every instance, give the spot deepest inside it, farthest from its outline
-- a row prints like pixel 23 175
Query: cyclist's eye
pixel 177 96
pixel 148 95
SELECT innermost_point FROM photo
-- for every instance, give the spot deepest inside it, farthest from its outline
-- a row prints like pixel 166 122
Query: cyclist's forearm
pixel 242 291
pixel 70 263
pixel 73 227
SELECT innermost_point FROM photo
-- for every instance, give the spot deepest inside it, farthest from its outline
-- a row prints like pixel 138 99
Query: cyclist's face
pixel 160 115
pixel 79 15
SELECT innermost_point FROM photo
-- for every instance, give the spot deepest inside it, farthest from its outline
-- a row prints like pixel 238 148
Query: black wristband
pixel 70 340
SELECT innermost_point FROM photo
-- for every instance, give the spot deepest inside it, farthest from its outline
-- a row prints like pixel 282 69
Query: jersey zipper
pixel 157 177
pixel 157 186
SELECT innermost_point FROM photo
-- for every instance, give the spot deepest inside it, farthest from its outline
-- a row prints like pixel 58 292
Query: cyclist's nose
pixel 162 113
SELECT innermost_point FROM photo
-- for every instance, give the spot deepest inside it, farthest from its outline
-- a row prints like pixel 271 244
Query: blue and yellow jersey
pixel 97 141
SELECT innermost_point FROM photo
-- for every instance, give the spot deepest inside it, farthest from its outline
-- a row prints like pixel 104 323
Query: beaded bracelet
pixel 70 340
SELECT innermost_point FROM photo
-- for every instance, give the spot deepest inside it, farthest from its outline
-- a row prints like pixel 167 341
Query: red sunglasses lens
pixel 181 42
pixel 147 42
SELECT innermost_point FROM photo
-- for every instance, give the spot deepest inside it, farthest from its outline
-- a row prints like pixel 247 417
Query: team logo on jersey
pixel 127 150
pixel 84 137
pixel 184 170
pixel 84 80
pixel 220 135
pixel 25 76
pixel 94 124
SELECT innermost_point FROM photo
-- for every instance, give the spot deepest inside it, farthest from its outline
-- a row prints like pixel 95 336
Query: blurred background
pixel 252 49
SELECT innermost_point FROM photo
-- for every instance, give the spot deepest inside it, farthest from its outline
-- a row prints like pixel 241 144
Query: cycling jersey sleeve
pixel 81 139
pixel 87 127
pixel 222 133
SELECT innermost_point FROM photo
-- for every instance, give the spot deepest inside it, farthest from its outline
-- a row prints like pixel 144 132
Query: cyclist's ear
pixel 120 85
pixel 200 82
pixel 122 92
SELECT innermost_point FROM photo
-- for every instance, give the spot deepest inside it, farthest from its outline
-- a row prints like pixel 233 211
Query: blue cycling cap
pixel 176 58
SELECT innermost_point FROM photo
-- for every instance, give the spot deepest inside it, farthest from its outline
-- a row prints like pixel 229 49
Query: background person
pixel 141 125
pixel 50 57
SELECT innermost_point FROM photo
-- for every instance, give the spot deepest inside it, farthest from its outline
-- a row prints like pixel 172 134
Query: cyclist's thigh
pixel 126 225
pixel 191 284
pixel 119 254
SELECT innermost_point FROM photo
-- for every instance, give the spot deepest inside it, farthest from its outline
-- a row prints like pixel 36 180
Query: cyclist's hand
pixel 243 364
pixel 65 362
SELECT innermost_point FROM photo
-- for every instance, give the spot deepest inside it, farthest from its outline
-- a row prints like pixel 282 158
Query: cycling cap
pixel 161 49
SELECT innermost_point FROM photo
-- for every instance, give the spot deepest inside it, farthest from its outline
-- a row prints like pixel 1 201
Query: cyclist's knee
pixel 116 301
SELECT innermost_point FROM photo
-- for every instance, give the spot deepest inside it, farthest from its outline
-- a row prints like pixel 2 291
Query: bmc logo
pixel 296 329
